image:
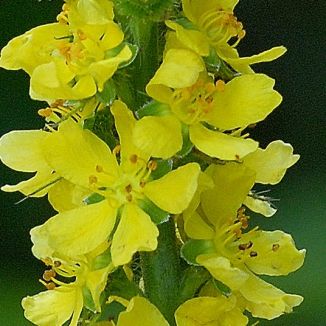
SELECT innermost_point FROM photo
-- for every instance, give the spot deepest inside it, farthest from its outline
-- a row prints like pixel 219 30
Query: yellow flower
pixel 214 114
pixel 234 257
pixel 64 301
pixel 213 26
pixel 69 60
pixel 83 159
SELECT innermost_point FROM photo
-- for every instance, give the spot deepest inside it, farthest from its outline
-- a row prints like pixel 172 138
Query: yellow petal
pixel 140 312
pixel 246 99
pixel 271 163
pixel 36 186
pixel 276 253
pixel 95 11
pixel 77 154
pixel 135 232
pixel 264 300
pixel 75 232
pixel 242 64
pixel 54 307
pixel 103 70
pixel 174 191
pixel 210 311
pixel 64 195
pixel 221 269
pixel 21 150
pixel 192 39
pixel 220 205
pixel 180 68
pixel 259 206
pixel 158 136
pixel 222 146
pixel 196 228
pixel 55 80
pixel 33 48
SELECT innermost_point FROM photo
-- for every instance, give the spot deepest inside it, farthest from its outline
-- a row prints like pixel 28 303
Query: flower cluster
pixel 119 159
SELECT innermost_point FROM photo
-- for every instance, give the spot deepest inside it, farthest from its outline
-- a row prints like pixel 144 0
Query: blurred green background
pixel 300 120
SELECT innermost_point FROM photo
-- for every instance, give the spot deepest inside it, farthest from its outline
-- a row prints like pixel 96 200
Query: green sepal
pixel 193 248
pixel 187 145
pixel 111 312
pixel 109 93
pixel 93 199
pixel 163 167
pixel 88 301
pixel 153 108
pixel 218 67
pixel 102 126
pixel 221 287
pixel 186 23
pixel 103 260
pixel 157 214
pixel 134 50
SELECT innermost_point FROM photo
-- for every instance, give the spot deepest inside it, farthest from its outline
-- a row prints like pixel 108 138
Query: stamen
pixel 128 188
pixel 133 158
pixel 48 275
pixel 92 179
pixel 253 254
pixel 152 165
pixel 220 86
pixel 275 247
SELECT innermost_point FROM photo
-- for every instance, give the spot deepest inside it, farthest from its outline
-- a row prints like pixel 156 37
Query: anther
pixel 50 286
pixel 44 112
pixel 152 165
pixel 129 197
pixel 48 274
pixel 245 246
pixel 57 263
pixel 128 188
pixel 99 168
pixel 133 158
pixel 142 183
pixel 220 85
pixel 116 150
pixel 92 179
pixel 275 247
pixel 253 254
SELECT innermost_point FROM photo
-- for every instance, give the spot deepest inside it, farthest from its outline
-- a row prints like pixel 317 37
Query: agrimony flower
pixel 121 191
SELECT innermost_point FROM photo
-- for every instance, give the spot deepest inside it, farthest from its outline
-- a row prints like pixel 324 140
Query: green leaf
pixel 157 214
pixel 93 199
pixel 187 145
pixel 193 248
pixel 153 108
pixel 102 260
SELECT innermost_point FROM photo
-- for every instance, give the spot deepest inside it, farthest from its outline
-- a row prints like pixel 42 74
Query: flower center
pixel 128 187
pixel 192 104
pixel 220 26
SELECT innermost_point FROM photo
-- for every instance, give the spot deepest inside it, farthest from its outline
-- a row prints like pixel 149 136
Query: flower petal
pixel 140 312
pixel 76 155
pixel 260 206
pixel 264 300
pixel 276 253
pixel 210 311
pixel 54 307
pixel 174 191
pixel 75 232
pixel 222 146
pixel 158 136
pixel 135 232
pixel 180 68
pixel 221 269
pixel 21 150
pixel 271 163
pixel 232 183
pixel 245 100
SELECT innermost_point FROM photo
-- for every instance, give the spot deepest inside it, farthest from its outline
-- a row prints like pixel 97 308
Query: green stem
pixel 162 272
